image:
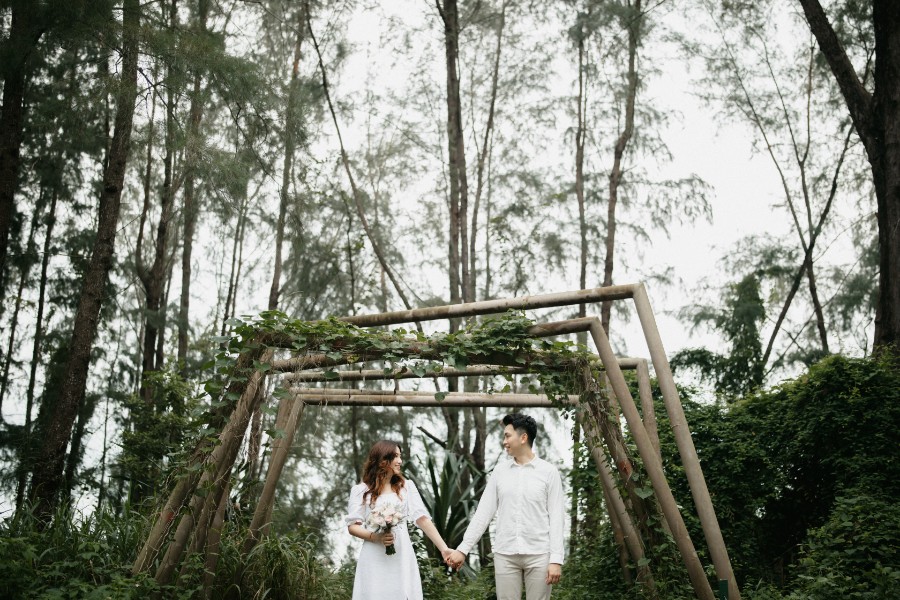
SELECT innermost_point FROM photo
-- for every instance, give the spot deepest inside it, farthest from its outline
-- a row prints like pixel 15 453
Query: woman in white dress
pixel 380 576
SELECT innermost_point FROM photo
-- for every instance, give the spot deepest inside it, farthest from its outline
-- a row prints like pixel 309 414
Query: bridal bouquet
pixel 382 518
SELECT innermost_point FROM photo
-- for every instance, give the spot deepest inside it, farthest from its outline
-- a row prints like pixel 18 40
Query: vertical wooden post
pixel 218 465
pixel 212 546
pixel 685 443
pixel 260 524
pixel 647 410
pixel 631 537
pixel 652 464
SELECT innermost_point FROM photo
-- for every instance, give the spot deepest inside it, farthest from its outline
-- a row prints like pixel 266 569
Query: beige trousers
pixel 511 569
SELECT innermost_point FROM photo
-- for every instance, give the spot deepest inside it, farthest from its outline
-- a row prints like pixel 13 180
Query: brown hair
pixel 377 470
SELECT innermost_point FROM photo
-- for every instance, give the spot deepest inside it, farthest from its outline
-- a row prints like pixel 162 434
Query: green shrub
pixel 855 555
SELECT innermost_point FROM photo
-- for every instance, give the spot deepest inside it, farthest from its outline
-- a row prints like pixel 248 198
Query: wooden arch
pixel 191 518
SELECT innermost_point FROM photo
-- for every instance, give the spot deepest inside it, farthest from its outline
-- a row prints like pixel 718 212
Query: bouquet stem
pixel 390 550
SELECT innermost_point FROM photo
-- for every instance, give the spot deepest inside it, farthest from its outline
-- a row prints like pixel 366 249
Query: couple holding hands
pixel 524 493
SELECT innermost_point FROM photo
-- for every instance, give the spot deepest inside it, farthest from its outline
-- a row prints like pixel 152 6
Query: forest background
pixel 167 167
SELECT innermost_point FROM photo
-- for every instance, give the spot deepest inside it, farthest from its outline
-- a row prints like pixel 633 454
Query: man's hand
pixel 455 559
pixel 554 572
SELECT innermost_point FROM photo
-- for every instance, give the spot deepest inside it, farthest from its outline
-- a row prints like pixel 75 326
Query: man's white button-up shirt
pixel 528 501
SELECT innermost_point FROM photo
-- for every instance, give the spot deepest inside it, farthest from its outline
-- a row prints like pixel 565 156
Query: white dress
pixel 379 576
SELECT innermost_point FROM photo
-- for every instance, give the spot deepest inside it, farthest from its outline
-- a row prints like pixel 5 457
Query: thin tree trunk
pixel 485 150
pixel 579 170
pixel 376 246
pixel 25 456
pixel 237 252
pixel 582 270
pixel 190 202
pixel 615 175
pixel 76 447
pixel 101 487
pixel 449 13
pixel 289 149
pixel 30 259
pixel 25 32
pixel 48 472
pixel 807 256
pixel 153 279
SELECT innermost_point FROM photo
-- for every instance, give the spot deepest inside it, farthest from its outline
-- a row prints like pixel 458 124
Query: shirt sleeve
pixel 356 508
pixel 557 512
pixel 415 504
pixel 487 507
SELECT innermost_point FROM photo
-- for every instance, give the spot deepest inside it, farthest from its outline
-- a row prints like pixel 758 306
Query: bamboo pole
pixel 652 464
pixel 697 482
pixel 618 510
pixel 618 536
pixel 220 461
pixel 405 373
pixel 212 547
pixel 350 397
pixel 486 307
pixel 259 525
pixel 647 411
pixel 186 484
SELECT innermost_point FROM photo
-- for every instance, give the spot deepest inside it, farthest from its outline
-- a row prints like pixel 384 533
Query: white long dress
pixel 379 576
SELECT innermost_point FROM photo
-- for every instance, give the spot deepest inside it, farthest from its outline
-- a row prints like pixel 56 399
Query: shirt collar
pixel 532 463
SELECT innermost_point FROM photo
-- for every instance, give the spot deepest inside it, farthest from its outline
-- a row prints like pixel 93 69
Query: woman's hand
pixel 386 539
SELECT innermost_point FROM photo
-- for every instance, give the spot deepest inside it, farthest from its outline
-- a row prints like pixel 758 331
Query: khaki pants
pixel 511 569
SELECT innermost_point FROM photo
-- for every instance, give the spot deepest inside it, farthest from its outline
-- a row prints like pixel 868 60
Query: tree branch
pixel 858 99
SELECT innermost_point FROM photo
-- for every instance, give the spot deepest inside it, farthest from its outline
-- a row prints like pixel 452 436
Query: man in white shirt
pixel 526 495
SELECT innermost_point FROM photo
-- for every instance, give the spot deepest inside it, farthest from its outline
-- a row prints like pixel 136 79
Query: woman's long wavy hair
pixel 377 470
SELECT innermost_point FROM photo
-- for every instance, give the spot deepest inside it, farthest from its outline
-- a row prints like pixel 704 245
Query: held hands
pixel 554 572
pixel 454 558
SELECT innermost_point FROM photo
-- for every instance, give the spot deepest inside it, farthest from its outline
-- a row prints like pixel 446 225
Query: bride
pixel 379 575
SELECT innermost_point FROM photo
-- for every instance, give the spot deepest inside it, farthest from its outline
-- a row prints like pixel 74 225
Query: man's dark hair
pixel 522 424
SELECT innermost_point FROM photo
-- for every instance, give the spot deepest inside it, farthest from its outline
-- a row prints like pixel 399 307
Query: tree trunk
pixel 190 202
pixel 237 251
pixel 30 259
pixel 289 148
pixel 449 13
pixel 484 153
pixel 807 256
pixel 25 450
pixel 24 34
pixel 876 118
pixel 582 270
pixel 48 472
pixel 360 212
pixel 615 175
pixel 154 279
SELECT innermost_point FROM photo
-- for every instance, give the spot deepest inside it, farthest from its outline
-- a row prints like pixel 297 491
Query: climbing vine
pixel 503 340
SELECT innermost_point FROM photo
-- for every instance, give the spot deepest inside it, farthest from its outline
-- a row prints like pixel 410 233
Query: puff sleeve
pixel 356 507
pixel 415 505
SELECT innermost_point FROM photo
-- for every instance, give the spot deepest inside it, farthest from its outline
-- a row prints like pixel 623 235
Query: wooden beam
pixel 343 397
pixel 486 307
pixel 404 373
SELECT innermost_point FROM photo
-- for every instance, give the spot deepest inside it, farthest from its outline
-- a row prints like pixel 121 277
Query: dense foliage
pixel 803 477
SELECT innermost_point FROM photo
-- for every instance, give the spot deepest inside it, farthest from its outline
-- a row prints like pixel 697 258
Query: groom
pixel 526 495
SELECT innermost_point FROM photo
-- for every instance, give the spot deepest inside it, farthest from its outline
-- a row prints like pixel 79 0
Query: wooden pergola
pixel 191 519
